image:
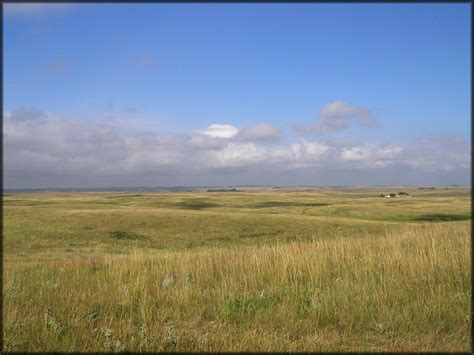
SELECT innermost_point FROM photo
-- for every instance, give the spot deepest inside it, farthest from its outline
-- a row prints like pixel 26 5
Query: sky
pixel 126 95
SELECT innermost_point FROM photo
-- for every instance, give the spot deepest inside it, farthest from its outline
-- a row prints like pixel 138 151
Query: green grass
pixel 288 270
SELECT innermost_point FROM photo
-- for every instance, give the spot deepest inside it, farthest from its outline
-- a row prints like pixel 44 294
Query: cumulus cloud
pixel 220 131
pixel 45 149
pixel 237 155
pixel 259 132
pixel 378 156
pixel 314 148
pixel 255 133
pixel 354 154
pixel 336 115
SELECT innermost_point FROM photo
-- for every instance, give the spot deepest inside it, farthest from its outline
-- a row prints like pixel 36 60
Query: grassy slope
pixel 367 279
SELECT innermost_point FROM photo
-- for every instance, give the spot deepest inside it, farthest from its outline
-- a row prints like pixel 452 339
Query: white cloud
pixel 205 142
pixel 40 146
pixel 336 115
pixel 259 132
pixel 314 149
pixel 380 155
pixel 238 155
pixel 386 152
pixel 354 154
pixel 296 150
pixel 220 131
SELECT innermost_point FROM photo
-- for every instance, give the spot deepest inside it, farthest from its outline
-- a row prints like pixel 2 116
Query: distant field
pixel 291 270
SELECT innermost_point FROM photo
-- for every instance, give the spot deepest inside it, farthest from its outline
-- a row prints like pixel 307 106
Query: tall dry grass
pixel 409 291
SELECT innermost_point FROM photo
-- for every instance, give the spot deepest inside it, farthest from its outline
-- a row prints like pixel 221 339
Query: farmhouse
pixel 394 195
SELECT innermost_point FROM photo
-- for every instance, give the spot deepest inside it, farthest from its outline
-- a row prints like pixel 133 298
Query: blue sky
pixel 173 70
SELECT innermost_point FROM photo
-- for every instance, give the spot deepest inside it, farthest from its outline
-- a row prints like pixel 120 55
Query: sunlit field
pixel 268 270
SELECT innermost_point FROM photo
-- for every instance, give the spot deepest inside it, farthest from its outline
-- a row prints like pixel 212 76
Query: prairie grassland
pixel 263 271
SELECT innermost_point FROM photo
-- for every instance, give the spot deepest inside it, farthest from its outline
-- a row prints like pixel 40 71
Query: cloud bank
pixel 45 150
pixel 336 115
pixel 259 132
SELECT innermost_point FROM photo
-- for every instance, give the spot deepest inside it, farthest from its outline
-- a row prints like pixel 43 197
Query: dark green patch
pixel 96 267
pixel 194 245
pixel 262 234
pixel 124 235
pixel 195 205
pixel 21 202
pixel 252 235
pixel 288 204
pixel 120 196
pixel 220 239
pixel 442 217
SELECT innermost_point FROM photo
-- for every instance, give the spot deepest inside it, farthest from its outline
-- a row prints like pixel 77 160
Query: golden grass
pixel 406 290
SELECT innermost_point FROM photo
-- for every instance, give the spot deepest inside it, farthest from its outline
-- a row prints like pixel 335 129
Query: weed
pixel 52 323
pixel 171 336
